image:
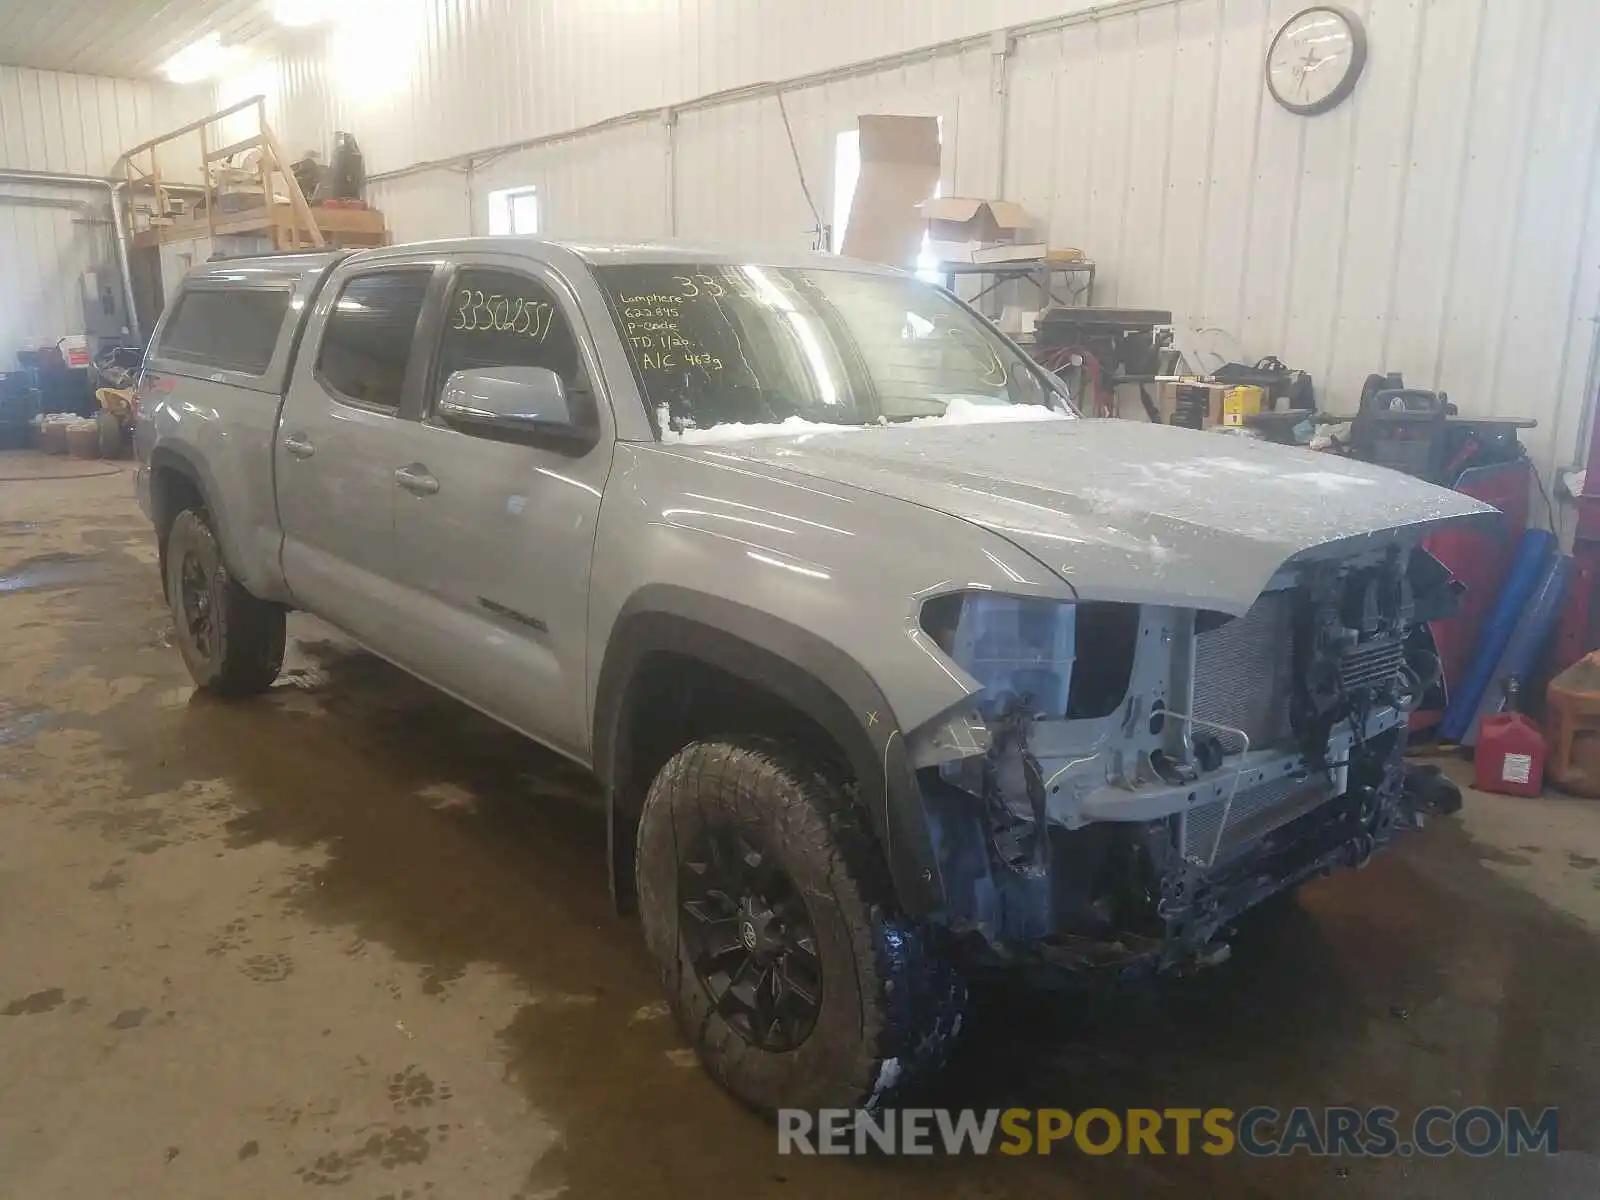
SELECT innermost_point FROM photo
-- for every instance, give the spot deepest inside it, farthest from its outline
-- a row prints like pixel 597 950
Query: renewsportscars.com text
pixel 1255 1132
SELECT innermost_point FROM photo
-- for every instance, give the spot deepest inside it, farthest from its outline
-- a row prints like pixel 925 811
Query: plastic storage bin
pixel 53 434
pixel 1573 700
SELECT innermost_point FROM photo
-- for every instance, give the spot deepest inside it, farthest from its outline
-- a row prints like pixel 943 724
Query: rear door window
pixel 230 329
pixel 367 343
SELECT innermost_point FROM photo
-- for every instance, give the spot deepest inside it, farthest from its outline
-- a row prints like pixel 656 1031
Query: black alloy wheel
pixel 771 917
pixel 231 642
pixel 195 597
pixel 750 939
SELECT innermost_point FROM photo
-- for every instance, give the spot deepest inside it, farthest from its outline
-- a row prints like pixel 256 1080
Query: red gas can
pixel 1510 755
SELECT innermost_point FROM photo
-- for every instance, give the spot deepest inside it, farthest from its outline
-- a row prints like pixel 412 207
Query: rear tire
pixel 887 1000
pixel 231 642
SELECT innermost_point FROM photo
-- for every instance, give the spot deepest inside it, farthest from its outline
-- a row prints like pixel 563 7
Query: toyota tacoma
pixel 890 665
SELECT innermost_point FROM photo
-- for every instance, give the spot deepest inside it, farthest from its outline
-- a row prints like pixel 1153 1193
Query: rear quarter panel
pixel 220 425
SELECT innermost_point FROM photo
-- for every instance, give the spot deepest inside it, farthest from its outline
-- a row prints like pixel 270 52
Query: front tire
pixel 768 911
pixel 231 642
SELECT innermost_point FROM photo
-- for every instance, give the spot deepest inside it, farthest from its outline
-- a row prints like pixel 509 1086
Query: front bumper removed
pixel 1185 910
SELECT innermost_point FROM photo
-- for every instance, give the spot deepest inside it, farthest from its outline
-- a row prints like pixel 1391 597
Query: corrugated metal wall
pixel 1444 223
pixel 76 125
pixel 736 177
pixel 434 78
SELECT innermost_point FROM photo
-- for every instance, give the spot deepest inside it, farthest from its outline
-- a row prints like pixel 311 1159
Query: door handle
pixel 299 445
pixel 416 480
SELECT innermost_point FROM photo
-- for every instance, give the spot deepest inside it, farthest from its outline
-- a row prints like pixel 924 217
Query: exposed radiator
pixel 1255 814
pixel 1244 674
pixel 1372 664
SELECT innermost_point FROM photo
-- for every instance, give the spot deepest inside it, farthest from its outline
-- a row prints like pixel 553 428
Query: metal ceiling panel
pixel 127 38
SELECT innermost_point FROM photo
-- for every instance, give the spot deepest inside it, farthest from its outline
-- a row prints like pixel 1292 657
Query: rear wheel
pixel 767 909
pixel 231 642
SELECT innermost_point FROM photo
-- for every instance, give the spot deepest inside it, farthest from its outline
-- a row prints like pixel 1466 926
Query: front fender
pixel 810 589
pixel 850 566
pixel 802 670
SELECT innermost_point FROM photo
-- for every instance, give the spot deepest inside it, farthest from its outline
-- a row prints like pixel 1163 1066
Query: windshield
pixel 744 348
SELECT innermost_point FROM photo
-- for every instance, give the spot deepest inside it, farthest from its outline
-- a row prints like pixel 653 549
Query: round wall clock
pixel 1316 60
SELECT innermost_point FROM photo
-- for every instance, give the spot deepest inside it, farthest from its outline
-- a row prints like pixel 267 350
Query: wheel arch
pixel 176 474
pixel 795 667
pixel 175 480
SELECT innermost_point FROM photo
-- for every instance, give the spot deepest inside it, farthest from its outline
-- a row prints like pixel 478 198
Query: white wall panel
pixel 1442 223
pixel 1500 117
pixel 737 178
pixel 1552 292
pixel 1379 175
pixel 75 125
pixel 429 79
pixel 1327 174
pixel 609 185
pixel 177 259
pixel 298 98
pixel 80 124
pixel 43 254
pixel 421 207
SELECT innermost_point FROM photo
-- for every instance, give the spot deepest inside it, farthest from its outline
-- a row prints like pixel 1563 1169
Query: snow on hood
pixel 959 411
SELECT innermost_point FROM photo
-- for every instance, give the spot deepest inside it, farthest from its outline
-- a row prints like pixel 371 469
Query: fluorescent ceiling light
pixel 298 13
pixel 200 60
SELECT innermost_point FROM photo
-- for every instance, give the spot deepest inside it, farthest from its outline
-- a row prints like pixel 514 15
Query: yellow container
pixel 1573 712
pixel 1241 402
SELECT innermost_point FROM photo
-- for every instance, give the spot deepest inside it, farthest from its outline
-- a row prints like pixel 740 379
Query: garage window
pixel 514 210
pixel 230 329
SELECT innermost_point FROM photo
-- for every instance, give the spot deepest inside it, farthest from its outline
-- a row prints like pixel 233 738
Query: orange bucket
pixel 1574 727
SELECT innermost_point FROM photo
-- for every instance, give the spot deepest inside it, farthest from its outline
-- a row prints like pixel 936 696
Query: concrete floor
pixel 353 936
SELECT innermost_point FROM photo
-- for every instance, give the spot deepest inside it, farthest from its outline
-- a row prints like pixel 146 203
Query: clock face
pixel 1316 59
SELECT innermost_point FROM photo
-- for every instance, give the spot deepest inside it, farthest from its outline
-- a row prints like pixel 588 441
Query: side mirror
pixel 526 400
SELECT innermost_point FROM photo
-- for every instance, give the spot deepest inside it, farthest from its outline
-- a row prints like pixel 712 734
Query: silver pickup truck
pixel 888 662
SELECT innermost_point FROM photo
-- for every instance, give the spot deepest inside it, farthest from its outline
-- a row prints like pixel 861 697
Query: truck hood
pixel 1126 511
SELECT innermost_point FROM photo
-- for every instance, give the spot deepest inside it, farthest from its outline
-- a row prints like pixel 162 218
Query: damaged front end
pixel 1128 779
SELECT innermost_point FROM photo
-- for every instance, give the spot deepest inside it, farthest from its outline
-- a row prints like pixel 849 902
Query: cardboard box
pixel 1195 405
pixel 899 169
pixel 74 350
pixel 968 219
pixel 1241 402
pixel 1002 252
pixel 1006 252
pixel 954 252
